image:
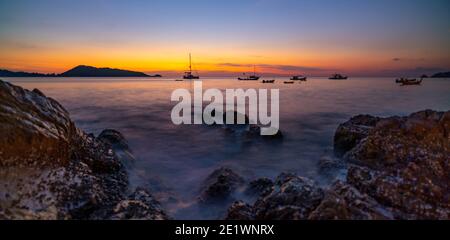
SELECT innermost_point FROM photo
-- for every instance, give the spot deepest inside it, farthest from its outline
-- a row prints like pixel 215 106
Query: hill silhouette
pixel 88 71
pixel 81 71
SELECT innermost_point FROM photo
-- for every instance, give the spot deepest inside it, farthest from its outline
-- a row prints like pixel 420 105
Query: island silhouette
pixel 81 71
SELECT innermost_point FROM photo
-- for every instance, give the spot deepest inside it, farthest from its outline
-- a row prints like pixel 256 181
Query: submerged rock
pixel 220 185
pixel 52 170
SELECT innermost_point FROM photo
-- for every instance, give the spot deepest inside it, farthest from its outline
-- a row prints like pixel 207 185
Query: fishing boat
pixel 251 77
pixel 412 82
pixel 337 77
pixel 188 74
pixel 288 82
pixel 402 80
pixel 298 78
pixel 268 81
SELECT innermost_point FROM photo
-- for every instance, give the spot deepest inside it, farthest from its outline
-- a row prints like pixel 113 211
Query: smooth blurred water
pixel 177 159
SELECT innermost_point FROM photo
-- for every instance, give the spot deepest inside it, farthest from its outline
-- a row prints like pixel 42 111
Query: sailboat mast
pixel 254 70
pixel 190 65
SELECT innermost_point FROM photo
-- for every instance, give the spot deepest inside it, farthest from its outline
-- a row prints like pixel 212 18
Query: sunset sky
pixel 315 37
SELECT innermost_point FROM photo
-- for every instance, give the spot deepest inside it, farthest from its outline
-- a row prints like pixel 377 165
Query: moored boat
pixel 412 82
pixel 298 77
pixel 268 81
pixel 288 82
pixel 253 77
pixel 338 77
pixel 188 74
pixel 402 80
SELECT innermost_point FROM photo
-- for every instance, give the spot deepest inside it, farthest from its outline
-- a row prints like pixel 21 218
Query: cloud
pixel 397 59
pixel 275 67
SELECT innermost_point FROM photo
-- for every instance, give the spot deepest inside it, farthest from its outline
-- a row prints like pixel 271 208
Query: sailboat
pixel 188 74
pixel 251 77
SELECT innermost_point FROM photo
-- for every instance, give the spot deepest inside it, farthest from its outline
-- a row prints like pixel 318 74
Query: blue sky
pixel 349 35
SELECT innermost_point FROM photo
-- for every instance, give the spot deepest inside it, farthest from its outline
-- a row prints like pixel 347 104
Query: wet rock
pixel 140 205
pixel 328 165
pixel 260 186
pixel 254 131
pixel 403 164
pixel 344 202
pixel 220 185
pixel 240 210
pixel 119 144
pixel 49 168
pixel 350 133
pixel 114 138
pixel 293 197
pixel 35 130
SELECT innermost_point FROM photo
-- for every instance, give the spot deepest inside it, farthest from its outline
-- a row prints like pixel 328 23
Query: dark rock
pixel 403 164
pixel 49 168
pixel 35 130
pixel 114 138
pixel 328 166
pixel 240 210
pixel 220 185
pixel 350 133
pixel 119 144
pixel 139 205
pixel 344 202
pixel 260 186
pixel 293 197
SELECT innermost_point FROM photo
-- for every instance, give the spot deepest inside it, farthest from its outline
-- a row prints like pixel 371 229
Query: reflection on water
pixel 176 159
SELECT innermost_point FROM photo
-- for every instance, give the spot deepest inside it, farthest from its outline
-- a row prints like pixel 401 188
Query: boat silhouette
pixel 188 74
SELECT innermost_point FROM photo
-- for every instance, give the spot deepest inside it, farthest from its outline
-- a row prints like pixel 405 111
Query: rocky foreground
pixel 395 168
pixel 50 169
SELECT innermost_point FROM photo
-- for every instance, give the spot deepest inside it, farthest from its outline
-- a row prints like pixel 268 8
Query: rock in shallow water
pixel 220 185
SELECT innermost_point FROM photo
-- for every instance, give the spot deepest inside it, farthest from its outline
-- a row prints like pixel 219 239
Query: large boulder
pixel 403 163
pixel 50 169
pixel 35 130
pixel 350 133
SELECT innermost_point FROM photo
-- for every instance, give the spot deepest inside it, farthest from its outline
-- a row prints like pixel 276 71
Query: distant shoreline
pixel 82 71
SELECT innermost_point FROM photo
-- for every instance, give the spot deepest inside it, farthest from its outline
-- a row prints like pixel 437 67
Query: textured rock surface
pixel 350 133
pixel 220 185
pixel 397 168
pixel 52 170
pixel 35 130
pixel 343 201
pixel 403 163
